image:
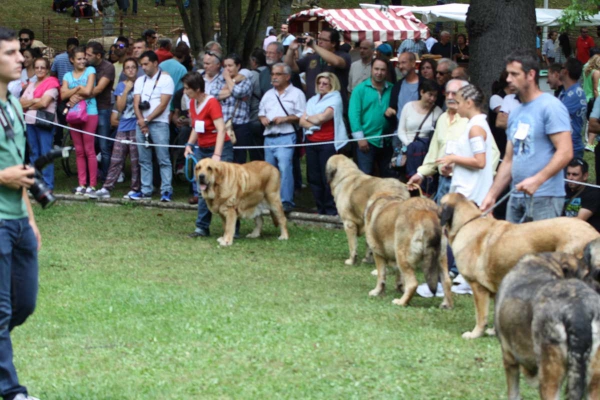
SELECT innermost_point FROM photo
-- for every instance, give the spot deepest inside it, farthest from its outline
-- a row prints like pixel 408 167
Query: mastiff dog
pixel 407 233
pixel 548 322
pixel 351 189
pixel 241 191
pixel 485 249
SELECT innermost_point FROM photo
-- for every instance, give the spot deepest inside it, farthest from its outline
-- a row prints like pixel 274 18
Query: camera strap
pixel 155 83
pixel 7 122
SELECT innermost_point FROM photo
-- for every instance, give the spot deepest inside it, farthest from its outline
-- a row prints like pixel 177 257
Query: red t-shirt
pixel 163 55
pixel 211 110
pixel 583 48
pixel 325 134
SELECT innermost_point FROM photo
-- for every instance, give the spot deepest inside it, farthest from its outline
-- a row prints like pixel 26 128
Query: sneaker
pixel 90 191
pixel 76 20
pixel 287 208
pixel 199 232
pixel 166 197
pixel 80 191
pixel 100 194
pixel 129 194
pixel 140 196
pixel 121 178
pixel 590 147
pixel 91 21
pixel 21 396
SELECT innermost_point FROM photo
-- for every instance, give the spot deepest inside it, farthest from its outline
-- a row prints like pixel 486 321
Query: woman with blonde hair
pixel 323 123
pixel 591 80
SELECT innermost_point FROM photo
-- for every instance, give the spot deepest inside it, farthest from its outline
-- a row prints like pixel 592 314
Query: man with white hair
pixel 274 55
pixel 443 47
pixel 449 128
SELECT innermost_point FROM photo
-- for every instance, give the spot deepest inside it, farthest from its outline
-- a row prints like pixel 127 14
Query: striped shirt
pixel 61 66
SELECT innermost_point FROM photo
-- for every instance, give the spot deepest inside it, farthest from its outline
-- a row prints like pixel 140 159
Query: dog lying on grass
pixel 241 191
pixel 351 189
pixel 407 233
pixel 485 249
pixel 548 322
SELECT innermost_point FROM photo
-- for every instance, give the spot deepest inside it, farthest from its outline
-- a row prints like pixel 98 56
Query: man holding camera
pixel 20 238
pixel 151 97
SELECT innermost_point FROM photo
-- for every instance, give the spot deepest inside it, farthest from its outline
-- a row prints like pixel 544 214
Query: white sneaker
pixel 91 21
pixel 460 286
pixel 100 194
pixel 99 155
pixel 121 178
pixel 131 192
pixel 79 190
pixel 90 191
pixel 423 290
pixel 76 20
pixel 21 396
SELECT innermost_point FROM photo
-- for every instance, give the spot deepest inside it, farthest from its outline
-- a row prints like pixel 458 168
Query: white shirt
pixel 509 103
pixel 429 43
pixel 293 100
pixel 144 86
pixel 411 119
pixel 495 102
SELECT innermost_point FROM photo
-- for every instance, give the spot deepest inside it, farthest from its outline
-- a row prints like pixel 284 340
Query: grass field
pixel 131 308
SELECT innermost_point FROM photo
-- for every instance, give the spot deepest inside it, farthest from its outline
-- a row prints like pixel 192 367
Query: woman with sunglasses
pixel 41 95
pixel 77 86
pixel 323 123
pixel 123 116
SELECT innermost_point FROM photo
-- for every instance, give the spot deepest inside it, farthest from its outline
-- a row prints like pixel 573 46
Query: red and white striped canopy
pixel 360 24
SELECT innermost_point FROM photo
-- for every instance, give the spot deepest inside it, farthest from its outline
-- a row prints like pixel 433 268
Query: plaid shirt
pixel 241 94
pixel 411 46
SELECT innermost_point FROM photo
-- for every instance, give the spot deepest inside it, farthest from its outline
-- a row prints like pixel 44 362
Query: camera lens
pixel 41 193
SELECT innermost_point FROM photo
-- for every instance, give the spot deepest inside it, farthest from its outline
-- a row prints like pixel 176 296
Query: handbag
pixel 417 150
pixel 44 119
pixel 229 125
pixel 78 113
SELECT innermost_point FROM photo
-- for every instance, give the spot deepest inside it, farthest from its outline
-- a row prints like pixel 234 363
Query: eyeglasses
pixel 24 40
pixel 442 72
pixel 320 39
pixel 41 68
pixel 210 53
pixel 131 67
pixel 323 83
pixel 153 37
pixel 578 161
pixel 278 73
pixel 121 45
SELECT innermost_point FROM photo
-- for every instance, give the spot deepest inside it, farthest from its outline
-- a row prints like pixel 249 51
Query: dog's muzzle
pixel 202 182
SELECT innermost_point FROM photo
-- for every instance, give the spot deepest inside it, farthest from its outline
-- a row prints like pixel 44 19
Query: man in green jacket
pixel 367 120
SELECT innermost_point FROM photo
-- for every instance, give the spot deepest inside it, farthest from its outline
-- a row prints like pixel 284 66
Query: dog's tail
pixel 581 335
pixel 427 241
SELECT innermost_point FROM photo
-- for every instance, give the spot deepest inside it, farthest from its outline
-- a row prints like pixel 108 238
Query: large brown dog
pixel 351 189
pixel 548 323
pixel 485 249
pixel 407 233
pixel 241 191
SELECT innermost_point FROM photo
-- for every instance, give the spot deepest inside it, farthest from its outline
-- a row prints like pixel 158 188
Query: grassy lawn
pixel 131 308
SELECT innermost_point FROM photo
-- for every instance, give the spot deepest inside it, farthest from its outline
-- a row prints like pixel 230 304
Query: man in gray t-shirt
pixel 538 149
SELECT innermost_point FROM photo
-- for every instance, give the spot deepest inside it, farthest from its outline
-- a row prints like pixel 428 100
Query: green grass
pixel 130 308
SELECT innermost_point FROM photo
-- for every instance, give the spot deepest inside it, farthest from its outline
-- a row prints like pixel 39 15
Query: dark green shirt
pixel 366 111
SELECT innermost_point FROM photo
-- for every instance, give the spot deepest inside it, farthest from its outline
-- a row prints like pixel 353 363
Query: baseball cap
pixel 385 49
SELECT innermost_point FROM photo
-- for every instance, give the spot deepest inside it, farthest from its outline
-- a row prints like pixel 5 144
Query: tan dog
pixel 351 189
pixel 485 249
pixel 548 323
pixel 241 191
pixel 407 233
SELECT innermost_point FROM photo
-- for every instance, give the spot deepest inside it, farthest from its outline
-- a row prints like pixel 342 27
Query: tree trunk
pixel 198 33
pixel 206 20
pixel 285 10
pixel 495 29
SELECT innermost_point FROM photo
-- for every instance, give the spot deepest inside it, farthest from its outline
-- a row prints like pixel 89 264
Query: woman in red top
pixel 326 134
pixel 207 139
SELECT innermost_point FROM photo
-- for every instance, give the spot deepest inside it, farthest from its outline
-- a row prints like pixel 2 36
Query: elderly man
pixel 539 146
pixel 443 47
pixel 212 69
pixel 280 108
pixel 449 128
pixel 443 74
pixel 416 46
pixel 274 55
pixel 367 121
pixel 361 69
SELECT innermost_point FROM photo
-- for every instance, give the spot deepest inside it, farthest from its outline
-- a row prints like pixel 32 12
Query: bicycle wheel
pixel 69 164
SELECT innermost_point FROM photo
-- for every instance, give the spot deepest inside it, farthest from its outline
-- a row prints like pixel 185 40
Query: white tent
pixel 457 12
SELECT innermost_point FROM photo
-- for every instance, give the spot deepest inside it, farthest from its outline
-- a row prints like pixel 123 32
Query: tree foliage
pixel 578 10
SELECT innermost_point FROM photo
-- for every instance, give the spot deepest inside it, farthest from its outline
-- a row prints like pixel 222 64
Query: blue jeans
pixel 281 158
pixel 204 214
pixel 18 292
pixel 40 142
pixel 159 134
pixel 544 207
pixel 443 188
pixel 105 130
pixel 376 156
pixel 316 160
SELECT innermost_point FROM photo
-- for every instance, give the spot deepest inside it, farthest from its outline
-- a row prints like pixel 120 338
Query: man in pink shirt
pixel 584 44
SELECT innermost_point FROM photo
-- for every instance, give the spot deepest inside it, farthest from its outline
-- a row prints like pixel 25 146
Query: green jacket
pixel 12 205
pixel 366 112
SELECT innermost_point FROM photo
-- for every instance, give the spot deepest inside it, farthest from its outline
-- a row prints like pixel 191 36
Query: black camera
pixel 301 40
pixel 39 190
pixel 144 105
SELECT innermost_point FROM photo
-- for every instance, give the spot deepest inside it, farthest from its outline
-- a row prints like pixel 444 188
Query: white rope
pixel 175 146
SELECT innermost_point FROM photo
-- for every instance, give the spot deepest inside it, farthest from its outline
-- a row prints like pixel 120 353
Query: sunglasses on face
pixel 121 46
pixel 441 73
pixel 210 53
pixel 24 40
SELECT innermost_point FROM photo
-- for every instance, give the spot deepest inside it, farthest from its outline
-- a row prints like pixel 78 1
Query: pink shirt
pixel 28 95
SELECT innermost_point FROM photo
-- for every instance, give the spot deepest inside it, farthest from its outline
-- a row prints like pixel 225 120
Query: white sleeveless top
pixel 472 183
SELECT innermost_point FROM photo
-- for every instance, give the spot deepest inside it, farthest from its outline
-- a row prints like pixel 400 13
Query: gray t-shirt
pixel 529 128
pixel 408 92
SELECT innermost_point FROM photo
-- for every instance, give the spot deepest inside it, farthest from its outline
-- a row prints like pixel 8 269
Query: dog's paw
pixel 374 272
pixel 471 335
pixel 253 235
pixel 375 292
pixel 490 331
pixel 283 237
pixel 349 261
pixel 399 302
pixel 224 242
pixel 445 306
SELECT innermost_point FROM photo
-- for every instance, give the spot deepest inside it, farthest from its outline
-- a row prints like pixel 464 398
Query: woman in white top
pixel 421 113
pixel 471 155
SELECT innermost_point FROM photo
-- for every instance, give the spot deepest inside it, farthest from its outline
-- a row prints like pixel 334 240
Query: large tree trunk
pixel 198 32
pixel 495 29
pixel 285 10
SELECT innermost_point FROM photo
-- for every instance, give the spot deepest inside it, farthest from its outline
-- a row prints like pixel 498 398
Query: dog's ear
pixel 589 253
pixel 446 215
pixel 330 174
